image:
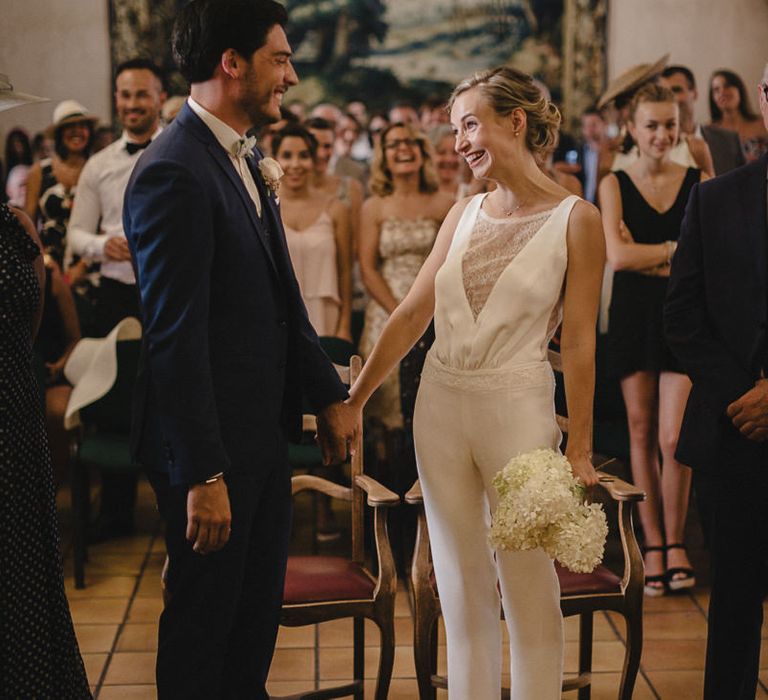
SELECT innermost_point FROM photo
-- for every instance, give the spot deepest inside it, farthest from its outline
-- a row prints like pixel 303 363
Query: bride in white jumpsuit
pixel 506 268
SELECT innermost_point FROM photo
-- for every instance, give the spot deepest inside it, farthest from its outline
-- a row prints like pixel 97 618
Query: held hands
pixel 750 412
pixel 116 248
pixel 208 516
pixel 337 426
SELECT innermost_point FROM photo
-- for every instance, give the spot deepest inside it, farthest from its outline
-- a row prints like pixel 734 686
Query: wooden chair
pixel 306 457
pixel 320 588
pixel 103 443
pixel 581 594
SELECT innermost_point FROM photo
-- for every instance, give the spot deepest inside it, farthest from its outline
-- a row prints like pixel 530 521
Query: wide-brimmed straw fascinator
pixel 631 79
pixel 9 98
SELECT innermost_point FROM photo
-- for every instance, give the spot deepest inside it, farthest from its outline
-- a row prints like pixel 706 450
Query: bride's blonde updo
pixel 507 89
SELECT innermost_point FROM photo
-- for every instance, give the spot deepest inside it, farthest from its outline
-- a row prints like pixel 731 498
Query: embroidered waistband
pixel 524 375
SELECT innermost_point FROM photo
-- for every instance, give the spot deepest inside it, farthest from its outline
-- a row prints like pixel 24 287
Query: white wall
pixel 57 49
pixel 702 34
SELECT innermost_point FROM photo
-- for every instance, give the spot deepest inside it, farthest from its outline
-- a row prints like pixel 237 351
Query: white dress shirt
pixel 229 140
pixel 97 212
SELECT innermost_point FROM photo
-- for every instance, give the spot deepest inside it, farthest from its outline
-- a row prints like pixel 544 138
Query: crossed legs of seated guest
pixel 737 532
pixel 218 631
pixel 655 407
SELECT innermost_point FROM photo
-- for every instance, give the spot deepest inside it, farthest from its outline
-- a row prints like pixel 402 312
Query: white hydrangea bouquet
pixel 541 504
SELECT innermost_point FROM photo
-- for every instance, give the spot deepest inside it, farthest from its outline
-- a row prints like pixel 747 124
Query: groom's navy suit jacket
pixel 228 350
pixel 717 309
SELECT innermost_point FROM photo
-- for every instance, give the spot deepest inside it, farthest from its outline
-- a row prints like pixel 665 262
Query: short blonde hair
pixel 381 178
pixel 507 89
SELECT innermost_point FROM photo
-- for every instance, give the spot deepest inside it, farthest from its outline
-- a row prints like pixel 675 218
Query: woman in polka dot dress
pixel 39 656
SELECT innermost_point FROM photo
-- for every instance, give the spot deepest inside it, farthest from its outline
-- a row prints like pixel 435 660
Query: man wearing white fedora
pixel 96 233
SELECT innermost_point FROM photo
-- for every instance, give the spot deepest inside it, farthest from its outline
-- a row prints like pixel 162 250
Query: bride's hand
pixel 583 469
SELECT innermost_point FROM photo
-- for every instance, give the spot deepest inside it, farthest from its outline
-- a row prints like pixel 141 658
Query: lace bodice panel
pixel 499 293
pixel 492 247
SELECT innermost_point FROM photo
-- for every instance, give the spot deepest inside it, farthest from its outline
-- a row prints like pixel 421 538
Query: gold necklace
pixel 509 212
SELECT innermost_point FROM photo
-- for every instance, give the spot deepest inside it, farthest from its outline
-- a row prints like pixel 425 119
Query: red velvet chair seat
pixel 317 579
pixel 601 580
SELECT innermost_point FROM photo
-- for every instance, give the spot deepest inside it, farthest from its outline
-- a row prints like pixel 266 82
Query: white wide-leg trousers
pixel 467 426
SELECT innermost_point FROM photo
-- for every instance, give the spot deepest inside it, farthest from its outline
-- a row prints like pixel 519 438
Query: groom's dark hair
pixel 204 29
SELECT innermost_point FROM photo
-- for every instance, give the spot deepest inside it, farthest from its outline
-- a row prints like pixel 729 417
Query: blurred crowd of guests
pixel 362 197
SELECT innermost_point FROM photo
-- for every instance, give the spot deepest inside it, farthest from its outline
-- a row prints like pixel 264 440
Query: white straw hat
pixel 67 112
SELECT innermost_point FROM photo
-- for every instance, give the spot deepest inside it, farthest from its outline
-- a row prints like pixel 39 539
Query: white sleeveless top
pixel 517 307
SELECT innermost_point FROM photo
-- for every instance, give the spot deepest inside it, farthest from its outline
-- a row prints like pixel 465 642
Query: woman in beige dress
pixel 398 227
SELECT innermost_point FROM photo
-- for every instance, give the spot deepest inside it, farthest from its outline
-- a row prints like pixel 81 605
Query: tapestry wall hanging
pixel 379 51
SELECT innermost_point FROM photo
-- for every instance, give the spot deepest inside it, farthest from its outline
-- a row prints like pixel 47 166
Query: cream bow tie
pixel 242 148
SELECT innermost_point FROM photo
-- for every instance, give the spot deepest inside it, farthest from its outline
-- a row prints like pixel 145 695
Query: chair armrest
pixel 414 495
pixel 378 495
pixel 309 482
pixel 620 490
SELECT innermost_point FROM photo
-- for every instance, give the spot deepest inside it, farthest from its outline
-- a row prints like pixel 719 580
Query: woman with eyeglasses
pixel 399 225
pixel 729 108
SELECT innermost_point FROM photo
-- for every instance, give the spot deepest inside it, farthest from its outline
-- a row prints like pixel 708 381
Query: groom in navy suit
pixel 229 353
pixel 716 320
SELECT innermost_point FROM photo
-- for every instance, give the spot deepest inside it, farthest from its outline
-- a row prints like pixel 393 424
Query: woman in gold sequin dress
pixel 399 226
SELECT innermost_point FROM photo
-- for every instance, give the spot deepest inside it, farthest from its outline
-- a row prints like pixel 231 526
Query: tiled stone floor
pixel 116 622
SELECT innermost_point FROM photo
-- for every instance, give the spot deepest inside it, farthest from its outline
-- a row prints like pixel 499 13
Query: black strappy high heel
pixel 651 590
pixel 688 578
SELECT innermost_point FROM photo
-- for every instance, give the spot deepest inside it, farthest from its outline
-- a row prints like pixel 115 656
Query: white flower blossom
pixel 541 505
pixel 271 172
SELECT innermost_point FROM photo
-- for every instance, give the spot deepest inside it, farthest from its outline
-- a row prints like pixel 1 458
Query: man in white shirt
pixel 96 233
pixel 96 225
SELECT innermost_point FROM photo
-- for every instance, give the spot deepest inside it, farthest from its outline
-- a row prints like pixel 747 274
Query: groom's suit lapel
pixel 223 160
pixel 270 214
pixel 190 120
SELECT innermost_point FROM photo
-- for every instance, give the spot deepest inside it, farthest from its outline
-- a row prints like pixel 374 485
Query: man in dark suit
pixel 590 159
pixel 228 353
pixel 715 321
pixel 724 145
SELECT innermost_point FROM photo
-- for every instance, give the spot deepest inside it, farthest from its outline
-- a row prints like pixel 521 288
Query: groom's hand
pixel 208 516
pixel 336 431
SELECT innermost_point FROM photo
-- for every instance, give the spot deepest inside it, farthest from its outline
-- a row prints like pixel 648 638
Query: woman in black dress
pixel 39 656
pixel 642 210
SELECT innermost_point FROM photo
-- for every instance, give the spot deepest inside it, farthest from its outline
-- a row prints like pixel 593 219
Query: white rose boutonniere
pixel 271 172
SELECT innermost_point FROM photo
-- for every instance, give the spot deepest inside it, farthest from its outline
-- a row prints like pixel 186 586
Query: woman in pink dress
pixel 317 231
